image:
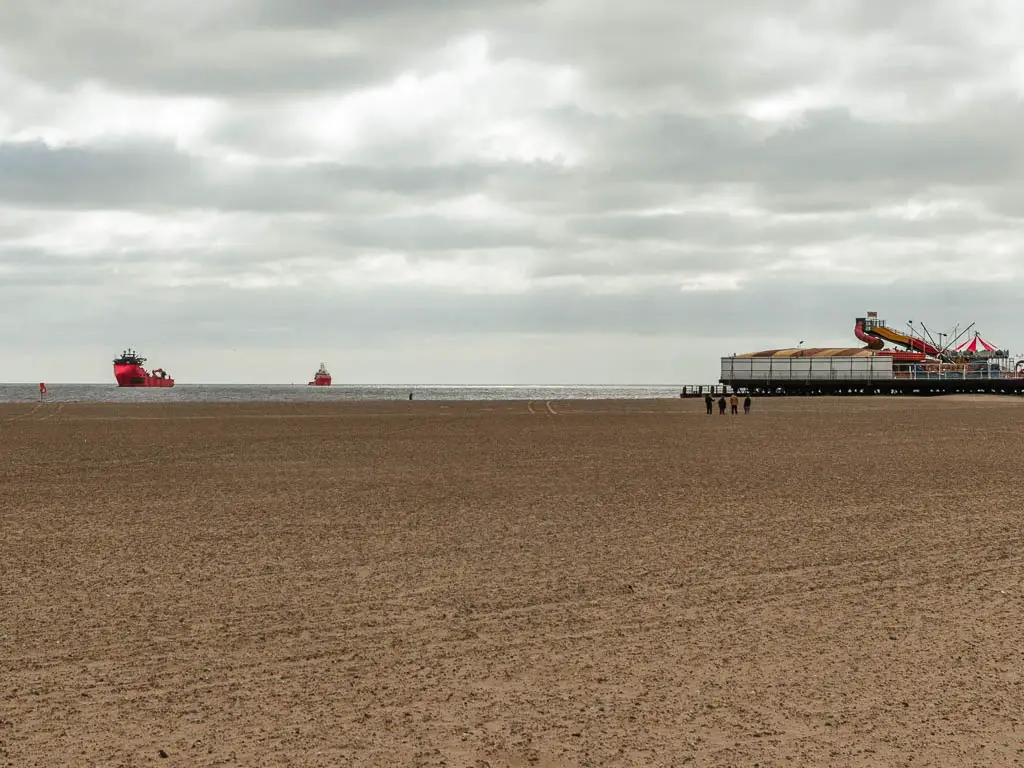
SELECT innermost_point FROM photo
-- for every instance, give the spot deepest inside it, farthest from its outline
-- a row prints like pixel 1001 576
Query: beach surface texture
pixel 605 583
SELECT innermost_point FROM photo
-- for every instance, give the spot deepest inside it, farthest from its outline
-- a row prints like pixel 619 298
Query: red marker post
pixel 42 390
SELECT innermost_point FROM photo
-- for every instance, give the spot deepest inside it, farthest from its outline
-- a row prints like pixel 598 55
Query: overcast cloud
pixel 499 191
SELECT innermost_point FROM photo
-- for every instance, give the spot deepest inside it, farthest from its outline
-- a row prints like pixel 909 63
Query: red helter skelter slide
pixel 874 333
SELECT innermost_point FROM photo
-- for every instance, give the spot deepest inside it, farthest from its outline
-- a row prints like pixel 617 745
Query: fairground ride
pixel 914 362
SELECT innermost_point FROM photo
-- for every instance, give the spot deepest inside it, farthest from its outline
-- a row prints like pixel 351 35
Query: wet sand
pixel 824 582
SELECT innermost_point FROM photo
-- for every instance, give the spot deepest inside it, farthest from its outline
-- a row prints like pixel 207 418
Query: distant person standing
pixel 734 404
pixel 721 404
pixel 746 404
pixel 709 402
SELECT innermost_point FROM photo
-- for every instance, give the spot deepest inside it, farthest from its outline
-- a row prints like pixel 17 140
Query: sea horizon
pixel 296 392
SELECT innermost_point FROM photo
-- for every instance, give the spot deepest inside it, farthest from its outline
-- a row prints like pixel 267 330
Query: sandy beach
pixel 582 583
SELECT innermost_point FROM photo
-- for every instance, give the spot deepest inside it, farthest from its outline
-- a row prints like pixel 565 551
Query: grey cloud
pixel 825 147
pixel 682 334
pixel 706 55
pixel 672 264
pixel 258 130
pixel 430 233
pixel 36 175
pixel 661 53
pixel 146 174
pixel 829 162
pixel 711 58
pixel 657 126
pixel 410 14
pixel 729 230
pixel 782 309
pixel 228 48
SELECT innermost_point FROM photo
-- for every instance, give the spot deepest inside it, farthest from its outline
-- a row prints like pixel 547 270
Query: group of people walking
pixel 734 403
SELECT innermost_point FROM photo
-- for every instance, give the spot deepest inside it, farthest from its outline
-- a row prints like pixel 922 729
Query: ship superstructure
pixel 322 378
pixel 129 372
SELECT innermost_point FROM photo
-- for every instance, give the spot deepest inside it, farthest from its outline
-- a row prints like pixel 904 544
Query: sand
pixel 823 582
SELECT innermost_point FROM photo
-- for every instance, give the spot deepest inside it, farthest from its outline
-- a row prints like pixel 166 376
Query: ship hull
pixel 137 376
pixel 321 381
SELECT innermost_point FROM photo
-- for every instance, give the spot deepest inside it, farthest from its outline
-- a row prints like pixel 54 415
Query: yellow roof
pixel 814 352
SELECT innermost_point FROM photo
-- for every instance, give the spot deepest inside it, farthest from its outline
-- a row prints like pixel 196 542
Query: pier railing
pixel 699 390
pixel 868 377
pixel 956 375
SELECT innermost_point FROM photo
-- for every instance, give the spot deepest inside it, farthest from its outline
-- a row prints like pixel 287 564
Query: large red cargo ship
pixel 322 378
pixel 129 372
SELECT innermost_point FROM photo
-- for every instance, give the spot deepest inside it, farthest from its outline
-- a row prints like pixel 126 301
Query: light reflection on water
pixel 287 393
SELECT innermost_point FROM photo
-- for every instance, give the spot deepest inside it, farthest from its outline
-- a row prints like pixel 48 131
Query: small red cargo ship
pixel 322 378
pixel 129 372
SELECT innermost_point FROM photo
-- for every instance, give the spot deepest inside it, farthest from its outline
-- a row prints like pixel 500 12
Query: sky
pixel 499 191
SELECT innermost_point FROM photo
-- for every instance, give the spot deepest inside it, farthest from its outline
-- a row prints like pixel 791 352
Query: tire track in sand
pixel 26 414
pixel 52 414
pixel 547 404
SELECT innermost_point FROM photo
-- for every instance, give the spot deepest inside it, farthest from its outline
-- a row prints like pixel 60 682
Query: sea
pixel 295 393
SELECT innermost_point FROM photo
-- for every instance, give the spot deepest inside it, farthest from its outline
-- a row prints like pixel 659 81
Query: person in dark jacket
pixel 721 404
pixel 746 404
pixel 709 402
